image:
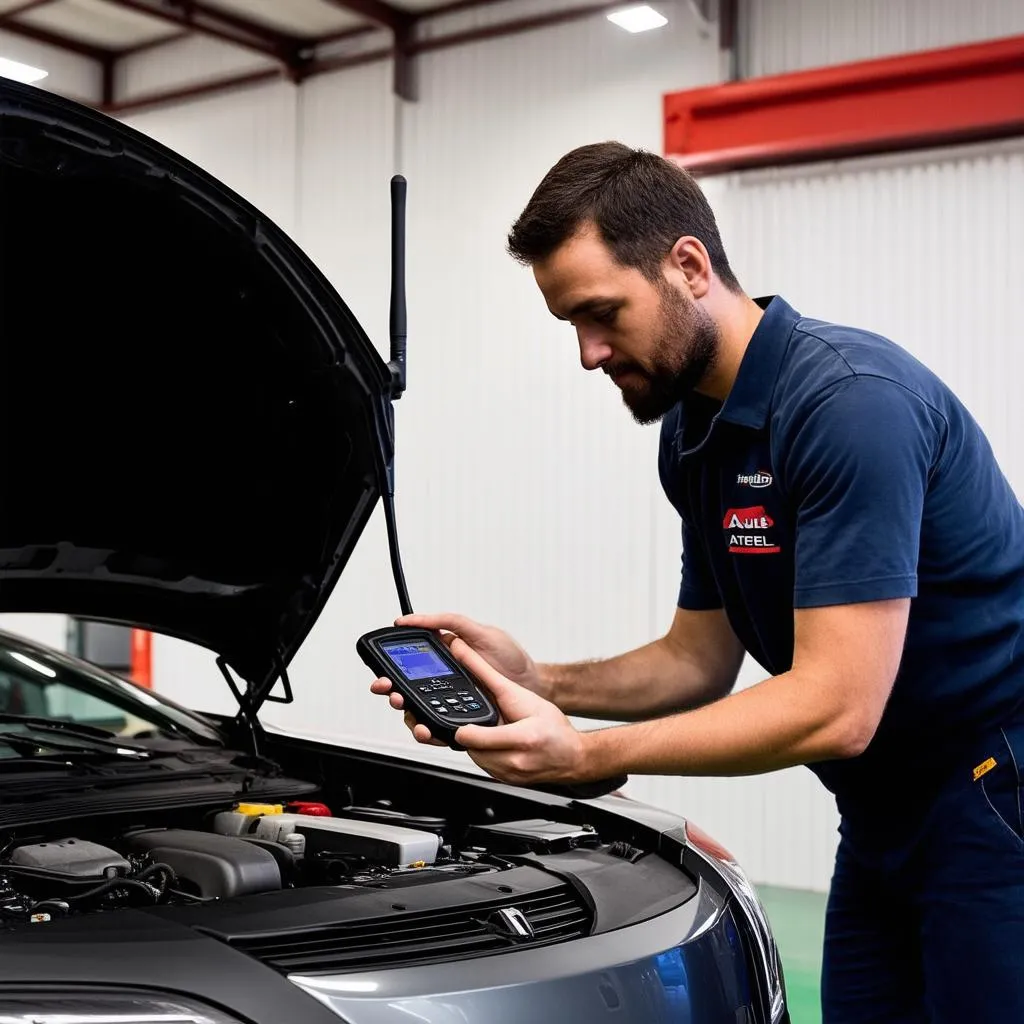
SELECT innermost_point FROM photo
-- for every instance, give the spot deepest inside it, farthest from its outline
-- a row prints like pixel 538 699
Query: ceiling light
pixel 20 72
pixel 638 19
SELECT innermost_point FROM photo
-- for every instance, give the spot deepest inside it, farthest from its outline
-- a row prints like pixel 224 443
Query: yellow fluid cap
pixel 260 808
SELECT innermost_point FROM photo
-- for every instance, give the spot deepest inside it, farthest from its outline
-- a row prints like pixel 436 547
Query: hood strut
pixel 253 698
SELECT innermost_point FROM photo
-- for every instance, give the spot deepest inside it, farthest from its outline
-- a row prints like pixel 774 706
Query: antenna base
pixel 397 371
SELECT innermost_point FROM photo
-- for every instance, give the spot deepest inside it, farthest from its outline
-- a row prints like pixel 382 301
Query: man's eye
pixel 606 316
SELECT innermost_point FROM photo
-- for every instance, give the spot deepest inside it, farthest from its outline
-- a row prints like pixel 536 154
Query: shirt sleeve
pixel 857 469
pixel 697 589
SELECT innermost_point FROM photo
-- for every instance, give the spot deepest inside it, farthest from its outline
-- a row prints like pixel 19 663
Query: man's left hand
pixel 534 742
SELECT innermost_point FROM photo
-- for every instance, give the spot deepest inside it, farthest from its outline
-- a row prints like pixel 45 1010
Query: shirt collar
pixel 750 396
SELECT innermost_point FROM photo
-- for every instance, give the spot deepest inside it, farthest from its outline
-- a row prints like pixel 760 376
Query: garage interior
pixel 881 139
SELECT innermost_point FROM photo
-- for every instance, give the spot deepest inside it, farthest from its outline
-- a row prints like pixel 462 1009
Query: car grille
pixel 406 939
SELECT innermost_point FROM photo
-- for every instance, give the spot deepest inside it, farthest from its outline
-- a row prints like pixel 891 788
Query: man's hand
pixel 494 646
pixel 534 743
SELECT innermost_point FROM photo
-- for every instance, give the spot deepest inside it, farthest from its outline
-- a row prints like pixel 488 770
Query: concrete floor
pixel 798 921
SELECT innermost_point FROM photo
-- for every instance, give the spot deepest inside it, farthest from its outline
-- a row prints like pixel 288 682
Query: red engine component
pixel 309 807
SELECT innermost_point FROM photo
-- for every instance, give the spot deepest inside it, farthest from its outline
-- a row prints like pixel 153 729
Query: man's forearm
pixel 651 680
pixel 770 726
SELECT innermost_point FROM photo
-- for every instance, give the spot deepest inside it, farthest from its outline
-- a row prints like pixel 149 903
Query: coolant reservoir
pixel 389 845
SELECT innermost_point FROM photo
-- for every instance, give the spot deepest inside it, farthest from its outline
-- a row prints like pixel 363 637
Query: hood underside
pixel 195 427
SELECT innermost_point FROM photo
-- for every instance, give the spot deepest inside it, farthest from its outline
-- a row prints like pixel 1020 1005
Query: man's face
pixel 652 339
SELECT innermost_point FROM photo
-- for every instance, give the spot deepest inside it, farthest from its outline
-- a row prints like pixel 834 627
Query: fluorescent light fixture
pixel 20 72
pixel 43 670
pixel 640 18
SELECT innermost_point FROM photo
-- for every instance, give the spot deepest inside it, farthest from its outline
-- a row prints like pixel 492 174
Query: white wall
pixel 526 496
pixel 44 629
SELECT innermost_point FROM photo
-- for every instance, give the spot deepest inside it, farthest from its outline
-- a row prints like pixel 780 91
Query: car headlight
pixel 764 948
pixel 100 1007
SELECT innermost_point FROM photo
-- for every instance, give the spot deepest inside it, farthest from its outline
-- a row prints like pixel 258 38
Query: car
pixel 159 864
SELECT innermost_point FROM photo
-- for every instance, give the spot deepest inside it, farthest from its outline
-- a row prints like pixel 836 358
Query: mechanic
pixel 844 521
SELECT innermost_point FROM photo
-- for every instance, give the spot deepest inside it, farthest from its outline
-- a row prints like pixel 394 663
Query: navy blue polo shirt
pixel 838 470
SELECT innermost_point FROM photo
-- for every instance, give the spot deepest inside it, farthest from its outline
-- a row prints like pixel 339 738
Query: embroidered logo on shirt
pixel 748 531
pixel 758 479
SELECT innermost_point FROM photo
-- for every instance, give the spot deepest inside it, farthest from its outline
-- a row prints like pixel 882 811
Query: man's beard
pixel 686 349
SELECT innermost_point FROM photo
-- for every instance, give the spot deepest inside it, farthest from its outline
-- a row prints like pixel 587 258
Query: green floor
pixel 798 919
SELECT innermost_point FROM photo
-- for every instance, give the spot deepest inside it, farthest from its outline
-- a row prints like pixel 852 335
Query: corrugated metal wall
pixel 526 495
pixel 787 35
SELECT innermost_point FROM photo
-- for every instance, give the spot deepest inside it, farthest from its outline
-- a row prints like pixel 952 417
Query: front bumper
pixel 687 966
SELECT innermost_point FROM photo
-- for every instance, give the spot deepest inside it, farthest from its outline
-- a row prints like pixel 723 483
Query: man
pixel 845 523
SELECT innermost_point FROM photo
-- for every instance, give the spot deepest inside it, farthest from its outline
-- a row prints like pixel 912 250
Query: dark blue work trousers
pixel 932 930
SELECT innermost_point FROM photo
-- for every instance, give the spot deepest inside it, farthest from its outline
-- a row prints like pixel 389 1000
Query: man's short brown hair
pixel 641 203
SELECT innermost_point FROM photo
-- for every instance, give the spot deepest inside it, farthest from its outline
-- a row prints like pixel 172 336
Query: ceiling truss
pixel 291 55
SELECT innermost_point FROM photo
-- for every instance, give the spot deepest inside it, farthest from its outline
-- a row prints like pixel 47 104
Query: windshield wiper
pixel 83 738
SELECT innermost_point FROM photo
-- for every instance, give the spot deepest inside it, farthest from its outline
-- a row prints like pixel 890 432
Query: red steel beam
pixel 142 658
pixel 930 98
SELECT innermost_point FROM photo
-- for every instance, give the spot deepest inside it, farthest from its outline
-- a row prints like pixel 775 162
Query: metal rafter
pixel 377 10
pixel 29 5
pixel 401 24
pixel 152 44
pixel 218 25
pixel 42 35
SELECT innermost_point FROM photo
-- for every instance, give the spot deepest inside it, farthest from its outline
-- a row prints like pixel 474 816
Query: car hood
pixel 196 428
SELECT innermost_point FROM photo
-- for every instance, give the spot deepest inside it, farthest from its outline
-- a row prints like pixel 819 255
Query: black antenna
pixel 397 368
pixel 398 312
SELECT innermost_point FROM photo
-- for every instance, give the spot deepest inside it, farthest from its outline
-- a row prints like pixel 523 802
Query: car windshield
pixel 39 684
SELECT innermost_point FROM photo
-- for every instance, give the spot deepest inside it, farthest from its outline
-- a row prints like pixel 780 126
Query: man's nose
pixel 594 350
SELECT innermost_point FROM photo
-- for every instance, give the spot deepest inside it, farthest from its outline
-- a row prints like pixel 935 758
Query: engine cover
pixel 210 865
pixel 75 859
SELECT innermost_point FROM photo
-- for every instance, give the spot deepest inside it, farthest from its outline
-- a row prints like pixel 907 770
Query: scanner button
pixel 473 707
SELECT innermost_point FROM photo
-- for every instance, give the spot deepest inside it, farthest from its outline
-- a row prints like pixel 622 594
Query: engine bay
pixel 245 850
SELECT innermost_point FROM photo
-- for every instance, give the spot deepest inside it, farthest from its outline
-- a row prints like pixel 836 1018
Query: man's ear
pixel 689 262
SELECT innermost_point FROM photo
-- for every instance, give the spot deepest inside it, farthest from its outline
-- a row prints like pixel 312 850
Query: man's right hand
pixel 495 646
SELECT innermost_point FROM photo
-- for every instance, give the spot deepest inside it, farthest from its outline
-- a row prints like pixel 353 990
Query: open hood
pixel 195 427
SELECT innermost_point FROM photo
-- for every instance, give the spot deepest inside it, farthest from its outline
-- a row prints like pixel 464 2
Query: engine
pixel 248 849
